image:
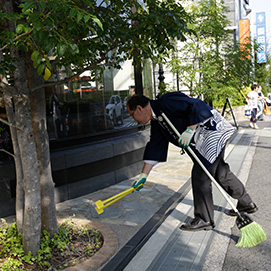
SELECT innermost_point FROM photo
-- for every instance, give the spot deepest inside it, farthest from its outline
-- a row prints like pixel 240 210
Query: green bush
pixel 62 246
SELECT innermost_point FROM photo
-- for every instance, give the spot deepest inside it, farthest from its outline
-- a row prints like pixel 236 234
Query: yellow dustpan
pixel 100 205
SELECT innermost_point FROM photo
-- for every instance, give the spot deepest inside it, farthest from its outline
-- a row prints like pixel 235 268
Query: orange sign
pixel 244 36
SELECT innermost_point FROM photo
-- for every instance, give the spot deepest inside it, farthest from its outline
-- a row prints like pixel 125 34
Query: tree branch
pixel 10 90
pixel 68 79
pixel 9 153
pixel 6 122
pixel 17 38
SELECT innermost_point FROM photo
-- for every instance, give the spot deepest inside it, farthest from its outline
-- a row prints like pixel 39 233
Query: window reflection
pixel 86 107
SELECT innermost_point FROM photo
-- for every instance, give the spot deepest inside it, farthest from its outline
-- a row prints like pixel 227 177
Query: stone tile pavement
pixel 124 218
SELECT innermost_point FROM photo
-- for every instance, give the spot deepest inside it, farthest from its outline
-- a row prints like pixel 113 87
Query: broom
pixel 251 233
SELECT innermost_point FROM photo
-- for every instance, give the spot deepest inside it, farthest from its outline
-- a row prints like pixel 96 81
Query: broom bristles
pixel 251 235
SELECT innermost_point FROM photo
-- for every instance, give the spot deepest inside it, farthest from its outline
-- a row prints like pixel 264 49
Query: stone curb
pixel 108 249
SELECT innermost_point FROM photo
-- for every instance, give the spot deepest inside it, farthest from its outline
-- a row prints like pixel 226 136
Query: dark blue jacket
pixel 182 111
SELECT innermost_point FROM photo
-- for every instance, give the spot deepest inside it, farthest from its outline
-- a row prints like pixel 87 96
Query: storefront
pixel 94 142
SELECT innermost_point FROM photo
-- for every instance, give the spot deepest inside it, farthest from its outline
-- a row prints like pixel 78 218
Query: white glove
pixel 186 137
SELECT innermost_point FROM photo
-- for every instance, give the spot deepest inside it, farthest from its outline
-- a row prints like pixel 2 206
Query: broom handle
pixel 221 190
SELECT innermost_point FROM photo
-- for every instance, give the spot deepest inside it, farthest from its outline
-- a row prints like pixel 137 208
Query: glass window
pixel 88 106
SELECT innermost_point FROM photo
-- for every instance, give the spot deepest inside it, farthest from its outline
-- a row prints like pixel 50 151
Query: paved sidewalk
pixel 258 185
pixel 168 248
pixel 128 215
pixel 172 249
pixel 146 223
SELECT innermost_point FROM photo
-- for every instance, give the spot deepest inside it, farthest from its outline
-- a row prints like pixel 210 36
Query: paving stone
pixel 139 217
pixel 132 205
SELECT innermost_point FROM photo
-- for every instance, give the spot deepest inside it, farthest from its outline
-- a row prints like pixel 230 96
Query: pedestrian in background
pixel 252 100
pixel 208 133
pixel 261 101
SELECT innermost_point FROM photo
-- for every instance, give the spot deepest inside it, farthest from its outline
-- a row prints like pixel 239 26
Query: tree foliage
pixel 87 33
pixel 211 62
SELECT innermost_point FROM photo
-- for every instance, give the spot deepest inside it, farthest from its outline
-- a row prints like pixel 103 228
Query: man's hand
pixel 186 137
pixel 141 180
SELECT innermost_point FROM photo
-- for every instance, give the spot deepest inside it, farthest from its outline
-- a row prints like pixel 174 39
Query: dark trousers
pixel 253 117
pixel 202 187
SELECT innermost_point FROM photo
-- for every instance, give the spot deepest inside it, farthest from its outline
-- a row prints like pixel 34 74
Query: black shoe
pixel 197 224
pixel 251 208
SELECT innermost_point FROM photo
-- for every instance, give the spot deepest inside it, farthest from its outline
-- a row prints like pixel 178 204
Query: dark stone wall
pixel 81 170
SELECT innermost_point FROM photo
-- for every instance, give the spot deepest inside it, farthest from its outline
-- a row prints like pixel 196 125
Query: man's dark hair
pixel 136 100
pixel 254 86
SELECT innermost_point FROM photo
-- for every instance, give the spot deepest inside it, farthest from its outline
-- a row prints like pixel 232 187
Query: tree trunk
pixel 32 209
pixel 48 208
pixel 39 126
pixel 31 146
pixel 30 167
pixel 18 165
pixel 8 6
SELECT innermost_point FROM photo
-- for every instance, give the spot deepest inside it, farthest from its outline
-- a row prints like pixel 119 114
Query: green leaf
pixel 19 28
pixel 73 12
pixel 48 63
pixel 61 48
pixel 86 18
pixel 49 44
pixel 50 22
pixel 28 5
pixel 42 36
pixel 79 16
pixel 74 49
pixel 47 74
pixel 97 21
pixel 71 25
pixel 35 16
pixel 39 24
pixel 41 69
pixel 42 5
pixel 37 62
pixel 35 55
